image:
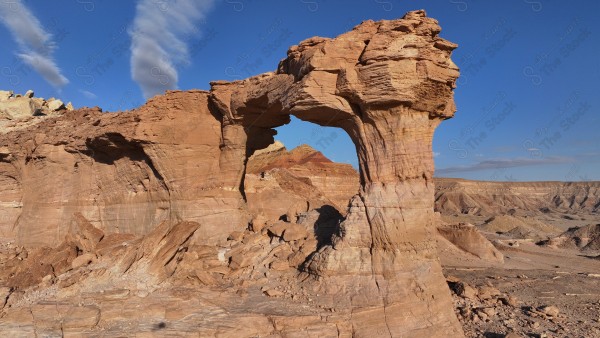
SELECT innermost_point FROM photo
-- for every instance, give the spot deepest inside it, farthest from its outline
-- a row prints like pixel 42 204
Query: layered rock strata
pixel 280 182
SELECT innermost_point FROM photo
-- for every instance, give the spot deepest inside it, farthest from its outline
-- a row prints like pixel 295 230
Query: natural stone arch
pixel 388 84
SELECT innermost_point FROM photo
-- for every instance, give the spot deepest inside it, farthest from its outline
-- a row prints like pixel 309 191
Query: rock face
pixel 181 161
pixel 125 172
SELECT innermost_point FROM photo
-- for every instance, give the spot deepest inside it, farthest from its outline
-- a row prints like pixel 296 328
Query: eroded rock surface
pixel 175 171
pixel 125 172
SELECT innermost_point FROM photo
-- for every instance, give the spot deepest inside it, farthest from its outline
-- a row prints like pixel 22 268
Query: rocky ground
pixel 532 303
pixel 539 291
pixel 254 285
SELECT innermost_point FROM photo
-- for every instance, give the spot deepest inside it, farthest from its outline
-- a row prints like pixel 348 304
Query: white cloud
pixel 88 94
pixel 436 154
pixel 45 67
pixel 35 43
pixel 157 41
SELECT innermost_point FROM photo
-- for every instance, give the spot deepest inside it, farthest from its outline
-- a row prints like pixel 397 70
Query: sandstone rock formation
pixel 181 161
pixel 388 91
pixel 125 172
pixel 22 111
pixel 19 106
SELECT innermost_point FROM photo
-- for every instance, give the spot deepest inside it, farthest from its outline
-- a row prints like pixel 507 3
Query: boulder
pixel 242 259
pixel 295 232
pixel 549 310
pixel 82 232
pixel 83 260
pixel 56 105
pixel 278 228
pixel 18 108
pixel 5 94
pixel 463 289
pixel 258 222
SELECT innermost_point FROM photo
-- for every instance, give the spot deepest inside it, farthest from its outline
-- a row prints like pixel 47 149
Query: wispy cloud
pixel 88 94
pixel 504 163
pixel 158 43
pixel 35 43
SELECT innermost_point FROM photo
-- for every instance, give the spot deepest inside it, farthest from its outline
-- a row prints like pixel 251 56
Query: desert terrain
pixel 507 273
pixel 185 216
pixel 547 233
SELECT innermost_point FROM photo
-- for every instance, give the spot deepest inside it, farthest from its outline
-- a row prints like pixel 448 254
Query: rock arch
pixel 388 84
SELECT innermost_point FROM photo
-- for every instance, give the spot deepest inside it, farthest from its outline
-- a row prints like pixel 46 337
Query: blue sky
pixel 528 103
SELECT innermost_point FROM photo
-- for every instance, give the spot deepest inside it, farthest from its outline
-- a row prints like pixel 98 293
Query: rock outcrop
pixel 125 172
pixel 20 107
pixel 181 161
pixel 388 85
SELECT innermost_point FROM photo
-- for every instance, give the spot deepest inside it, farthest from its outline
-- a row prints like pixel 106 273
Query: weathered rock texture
pixel 183 157
pixel 585 238
pixel 21 108
pixel 125 172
